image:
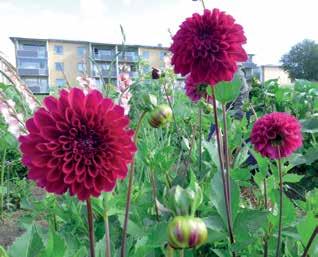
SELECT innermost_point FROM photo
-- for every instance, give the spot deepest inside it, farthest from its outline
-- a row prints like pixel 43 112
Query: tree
pixel 301 62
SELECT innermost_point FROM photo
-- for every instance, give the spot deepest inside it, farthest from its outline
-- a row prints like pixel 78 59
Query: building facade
pixel 46 63
pixel 275 72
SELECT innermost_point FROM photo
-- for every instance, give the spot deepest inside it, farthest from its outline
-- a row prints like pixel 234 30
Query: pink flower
pixel 195 91
pixel 208 46
pixel 276 132
pixel 78 143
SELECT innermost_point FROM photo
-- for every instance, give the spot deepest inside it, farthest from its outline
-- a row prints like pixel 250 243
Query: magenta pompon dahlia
pixel 196 91
pixel 276 135
pixel 78 143
pixel 208 46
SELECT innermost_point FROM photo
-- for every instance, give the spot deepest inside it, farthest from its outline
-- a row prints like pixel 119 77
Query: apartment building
pixel 46 63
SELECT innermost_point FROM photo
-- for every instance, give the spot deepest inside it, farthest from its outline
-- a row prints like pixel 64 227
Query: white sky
pixel 271 26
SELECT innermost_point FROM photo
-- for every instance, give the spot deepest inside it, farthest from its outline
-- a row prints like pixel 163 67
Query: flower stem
pixel 200 139
pixel 218 139
pixel 280 225
pixel 106 223
pixel 311 239
pixel 266 207
pixel 90 226
pixel 130 183
pixel 2 181
pixel 169 251
pixel 154 193
pixel 181 253
pixel 203 4
pixel 227 161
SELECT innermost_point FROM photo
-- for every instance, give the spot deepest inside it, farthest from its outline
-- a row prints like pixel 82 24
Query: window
pixel 145 55
pixel 37 85
pixel 31 64
pixel 81 67
pixel 58 49
pixel 81 51
pixel 59 66
pixel 60 82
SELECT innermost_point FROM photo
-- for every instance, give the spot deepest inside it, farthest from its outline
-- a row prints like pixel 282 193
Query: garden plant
pixel 144 168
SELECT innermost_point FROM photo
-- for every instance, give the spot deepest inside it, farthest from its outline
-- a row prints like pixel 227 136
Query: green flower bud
pixel 160 116
pixel 186 232
pixel 207 108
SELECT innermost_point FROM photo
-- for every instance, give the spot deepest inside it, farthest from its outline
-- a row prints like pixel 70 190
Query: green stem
pixel 107 235
pixel 200 139
pixel 2 181
pixel 181 253
pixel 203 4
pixel 311 239
pixel 280 225
pixel 266 207
pixel 169 251
pixel 90 227
pixel 154 193
pixel 218 139
pixel 129 191
pixel 227 161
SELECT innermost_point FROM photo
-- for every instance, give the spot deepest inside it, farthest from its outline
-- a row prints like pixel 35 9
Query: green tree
pixel 301 62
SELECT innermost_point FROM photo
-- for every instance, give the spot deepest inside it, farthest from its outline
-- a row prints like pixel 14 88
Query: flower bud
pixel 156 73
pixel 186 232
pixel 160 116
pixel 207 108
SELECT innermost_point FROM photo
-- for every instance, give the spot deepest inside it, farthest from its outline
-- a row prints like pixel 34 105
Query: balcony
pixel 129 58
pixel 105 73
pixel 104 57
pixel 31 54
pixel 32 72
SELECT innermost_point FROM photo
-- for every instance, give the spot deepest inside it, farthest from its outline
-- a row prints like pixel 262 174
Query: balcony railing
pixel 105 73
pixel 104 57
pixel 32 72
pixel 31 54
pixel 133 58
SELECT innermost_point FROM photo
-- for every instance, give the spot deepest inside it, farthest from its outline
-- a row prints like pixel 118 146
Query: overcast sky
pixel 271 26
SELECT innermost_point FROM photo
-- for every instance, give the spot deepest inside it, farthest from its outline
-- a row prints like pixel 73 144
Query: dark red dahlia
pixel 208 46
pixel 196 91
pixel 276 132
pixel 78 143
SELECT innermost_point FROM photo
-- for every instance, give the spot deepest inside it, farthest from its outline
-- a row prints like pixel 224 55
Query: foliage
pixel 301 61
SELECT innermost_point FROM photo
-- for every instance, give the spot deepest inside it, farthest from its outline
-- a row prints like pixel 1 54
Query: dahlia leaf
pixel 218 200
pixel 226 92
pixel 305 229
pixel 310 125
pixel 28 245
pixel 292 178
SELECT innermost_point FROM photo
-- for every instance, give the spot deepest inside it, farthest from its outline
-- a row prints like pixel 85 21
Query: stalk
pixel 200 139
pixel 169 251
pixel 218 138
pixel 106 224
pixel 311 239
pixel 266 207
pixel 280 225
pixel 203 4
pixel 227 161
pixel 2 180
pixel 154 193
pixel 90 226
pixel 130 183
pixel 181 253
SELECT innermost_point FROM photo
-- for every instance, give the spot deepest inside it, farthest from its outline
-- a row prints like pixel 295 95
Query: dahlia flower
pixel 196 90
pixel 208 46
pixel 78 143
pixel 276 135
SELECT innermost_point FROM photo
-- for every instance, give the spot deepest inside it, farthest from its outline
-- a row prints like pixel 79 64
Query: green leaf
pixel 292 178
pixel 218 199
pixel 55 246
pixel 250 221
pixel 3 252
pixel 305 228
pixel 310 125
pixel 228 91
pixel 28 245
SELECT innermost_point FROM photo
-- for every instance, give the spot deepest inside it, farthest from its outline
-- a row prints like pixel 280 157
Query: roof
pixel 13 39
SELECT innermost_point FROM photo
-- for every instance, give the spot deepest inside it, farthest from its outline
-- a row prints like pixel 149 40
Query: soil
pixel 10 229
